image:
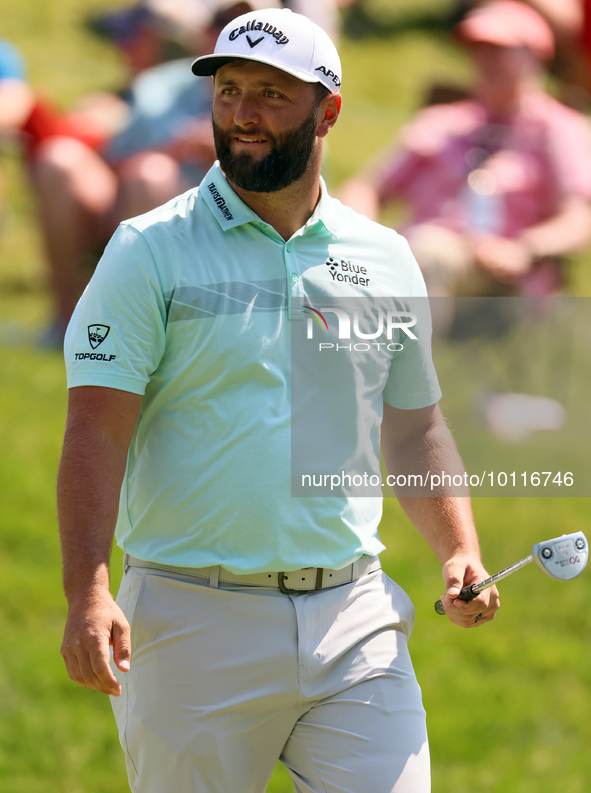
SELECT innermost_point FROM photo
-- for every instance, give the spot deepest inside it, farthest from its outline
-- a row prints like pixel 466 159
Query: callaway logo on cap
pixel 279 38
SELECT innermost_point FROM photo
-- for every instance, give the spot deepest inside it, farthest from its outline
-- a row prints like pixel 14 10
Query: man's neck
pixel 501 105
pixel 289 209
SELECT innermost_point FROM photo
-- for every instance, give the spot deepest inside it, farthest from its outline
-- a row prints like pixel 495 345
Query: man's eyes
pixel 269 93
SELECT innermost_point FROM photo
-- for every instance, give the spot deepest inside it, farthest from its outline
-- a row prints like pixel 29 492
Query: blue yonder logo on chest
pixel 255 27
pixel 346 272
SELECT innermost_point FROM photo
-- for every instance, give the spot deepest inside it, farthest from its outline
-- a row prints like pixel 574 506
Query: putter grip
pixel 465 594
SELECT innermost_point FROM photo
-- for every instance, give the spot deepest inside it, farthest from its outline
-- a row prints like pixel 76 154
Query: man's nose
pixel 247 113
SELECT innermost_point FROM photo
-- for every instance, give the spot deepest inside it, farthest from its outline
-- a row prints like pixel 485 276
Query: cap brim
pixel 207 65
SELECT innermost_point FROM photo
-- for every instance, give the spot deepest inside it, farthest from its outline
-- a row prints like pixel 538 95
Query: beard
pixel 284 164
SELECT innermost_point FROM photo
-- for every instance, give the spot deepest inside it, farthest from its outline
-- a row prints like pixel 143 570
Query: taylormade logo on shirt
pixel 221 202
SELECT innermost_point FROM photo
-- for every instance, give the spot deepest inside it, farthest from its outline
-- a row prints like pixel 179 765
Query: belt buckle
pixel 287 591
pixel 282 587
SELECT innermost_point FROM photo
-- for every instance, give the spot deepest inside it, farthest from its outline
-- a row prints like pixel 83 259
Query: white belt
pixel 305 580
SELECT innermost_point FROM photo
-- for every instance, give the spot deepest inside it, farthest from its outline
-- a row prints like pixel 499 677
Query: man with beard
pixel 251 625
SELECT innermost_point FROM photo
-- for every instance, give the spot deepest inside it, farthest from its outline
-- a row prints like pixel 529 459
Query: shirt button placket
pixel 295 290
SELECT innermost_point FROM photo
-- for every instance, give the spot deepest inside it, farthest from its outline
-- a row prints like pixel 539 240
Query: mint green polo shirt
pixel 192 306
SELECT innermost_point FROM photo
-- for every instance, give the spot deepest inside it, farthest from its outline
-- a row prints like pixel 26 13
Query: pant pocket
pixel 404 604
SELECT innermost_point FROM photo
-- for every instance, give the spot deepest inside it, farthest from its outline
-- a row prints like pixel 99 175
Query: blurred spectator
pixel 16 98
pixel 143 41
pixel 15 95
pixel 138 33
pixel 324 13
pixel 190 15
pixel 164 148
pixel 498 184
pixel 570 21
pixel 97 117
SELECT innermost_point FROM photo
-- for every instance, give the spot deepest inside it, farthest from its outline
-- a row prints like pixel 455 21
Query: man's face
pixel 264 125
pixel 502 68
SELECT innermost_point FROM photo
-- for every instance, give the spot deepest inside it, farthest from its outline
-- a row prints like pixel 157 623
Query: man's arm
pixel 563 233
pixel 416 442
pixel 16 102
pixel 100 424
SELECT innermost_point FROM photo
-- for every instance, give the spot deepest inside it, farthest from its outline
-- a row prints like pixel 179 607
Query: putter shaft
pixel 471 591
pixel 476 589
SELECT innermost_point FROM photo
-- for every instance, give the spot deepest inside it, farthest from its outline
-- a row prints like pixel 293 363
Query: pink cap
pixel 510 24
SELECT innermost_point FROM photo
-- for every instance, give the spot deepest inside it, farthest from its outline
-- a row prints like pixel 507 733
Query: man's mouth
pixel 250 141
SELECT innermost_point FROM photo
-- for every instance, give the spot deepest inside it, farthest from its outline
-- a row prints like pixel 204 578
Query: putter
pixel 562 558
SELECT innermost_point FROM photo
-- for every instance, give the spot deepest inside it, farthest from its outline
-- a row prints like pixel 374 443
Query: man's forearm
pixel 446 522
pixel 419 442
pixel 89 483
pixel 566 231
pixel 100 426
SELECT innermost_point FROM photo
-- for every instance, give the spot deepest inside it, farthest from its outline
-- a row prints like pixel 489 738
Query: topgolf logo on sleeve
pixel 97 334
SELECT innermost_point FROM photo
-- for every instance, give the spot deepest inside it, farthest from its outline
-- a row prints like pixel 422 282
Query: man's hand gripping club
pixel 461 571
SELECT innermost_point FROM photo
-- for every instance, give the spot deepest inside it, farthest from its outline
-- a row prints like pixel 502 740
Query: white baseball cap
pixel 278 37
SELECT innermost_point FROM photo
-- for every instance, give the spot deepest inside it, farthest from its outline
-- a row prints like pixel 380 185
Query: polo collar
pixel 326 212
pixel 230 210
pixel 226 207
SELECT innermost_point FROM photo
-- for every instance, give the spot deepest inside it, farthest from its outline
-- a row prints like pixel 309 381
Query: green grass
pixel 507 705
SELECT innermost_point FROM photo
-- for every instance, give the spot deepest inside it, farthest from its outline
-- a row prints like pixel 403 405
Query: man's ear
pixel 329 113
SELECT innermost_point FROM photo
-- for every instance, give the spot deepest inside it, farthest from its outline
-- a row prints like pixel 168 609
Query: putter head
pixel 563 557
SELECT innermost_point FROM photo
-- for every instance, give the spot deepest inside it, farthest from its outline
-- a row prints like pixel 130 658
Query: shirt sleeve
pixel 116 336
pixel 570 143
pixel 412 380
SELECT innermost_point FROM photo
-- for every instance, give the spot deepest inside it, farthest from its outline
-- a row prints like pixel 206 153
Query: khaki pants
pixel 224 682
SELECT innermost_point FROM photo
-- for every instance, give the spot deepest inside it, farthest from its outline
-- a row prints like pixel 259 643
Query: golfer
pixel 251 625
